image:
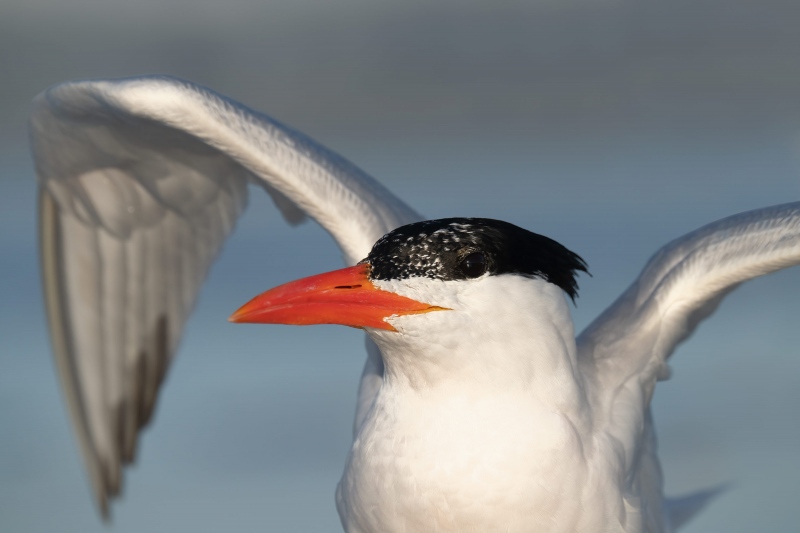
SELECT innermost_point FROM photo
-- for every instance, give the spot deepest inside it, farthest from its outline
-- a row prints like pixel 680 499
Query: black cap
pixel 465 248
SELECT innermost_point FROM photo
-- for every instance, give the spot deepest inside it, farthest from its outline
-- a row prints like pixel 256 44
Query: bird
pixel 478 408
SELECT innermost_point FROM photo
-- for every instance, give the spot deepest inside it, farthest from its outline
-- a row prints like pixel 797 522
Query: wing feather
pixel 141 180
pixel 625 350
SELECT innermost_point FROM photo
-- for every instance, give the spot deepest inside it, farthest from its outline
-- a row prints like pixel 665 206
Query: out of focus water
pixel 254 423
pixel 610 126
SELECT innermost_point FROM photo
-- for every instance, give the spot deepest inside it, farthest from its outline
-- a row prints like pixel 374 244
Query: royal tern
pixel 478 409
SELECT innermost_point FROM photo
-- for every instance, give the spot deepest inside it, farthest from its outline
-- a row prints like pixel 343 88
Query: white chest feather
pixel 464 463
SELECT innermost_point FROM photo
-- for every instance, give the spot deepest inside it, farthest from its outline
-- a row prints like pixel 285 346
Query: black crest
pixel 464 248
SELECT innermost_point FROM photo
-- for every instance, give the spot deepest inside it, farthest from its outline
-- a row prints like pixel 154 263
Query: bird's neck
pixel 481 408
pixel 521 340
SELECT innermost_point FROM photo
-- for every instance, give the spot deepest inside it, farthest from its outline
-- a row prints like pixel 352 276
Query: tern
pixel 478 408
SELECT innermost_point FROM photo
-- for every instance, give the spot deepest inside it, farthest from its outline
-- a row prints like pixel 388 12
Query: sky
pixel 612 127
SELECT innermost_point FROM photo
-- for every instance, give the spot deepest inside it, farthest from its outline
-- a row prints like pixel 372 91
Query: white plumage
pixel 142 180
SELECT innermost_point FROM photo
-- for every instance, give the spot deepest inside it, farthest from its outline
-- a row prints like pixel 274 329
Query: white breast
pixel 481 428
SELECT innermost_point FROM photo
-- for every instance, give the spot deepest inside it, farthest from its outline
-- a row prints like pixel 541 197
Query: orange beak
pixel 345 297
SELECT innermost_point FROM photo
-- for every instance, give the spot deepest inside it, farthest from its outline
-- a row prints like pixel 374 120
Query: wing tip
pixel 105 479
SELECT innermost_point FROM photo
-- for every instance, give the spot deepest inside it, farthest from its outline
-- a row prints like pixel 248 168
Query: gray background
pixel 612 127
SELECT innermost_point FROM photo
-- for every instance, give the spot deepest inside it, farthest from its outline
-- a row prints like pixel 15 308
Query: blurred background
pixel 611 126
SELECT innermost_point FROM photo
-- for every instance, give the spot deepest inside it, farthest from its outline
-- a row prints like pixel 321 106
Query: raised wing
pixel 141 180
pixel 625 350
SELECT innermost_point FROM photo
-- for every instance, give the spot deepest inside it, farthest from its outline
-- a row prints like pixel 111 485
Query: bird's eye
pixel 473 265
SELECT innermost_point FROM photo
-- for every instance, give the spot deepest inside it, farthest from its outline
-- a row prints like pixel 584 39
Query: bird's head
pixel 425 277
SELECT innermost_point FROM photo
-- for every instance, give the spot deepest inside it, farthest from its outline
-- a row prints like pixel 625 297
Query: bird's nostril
pixel 347 286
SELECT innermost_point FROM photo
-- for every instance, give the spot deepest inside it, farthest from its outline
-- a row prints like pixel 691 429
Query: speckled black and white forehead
pixel 437 249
